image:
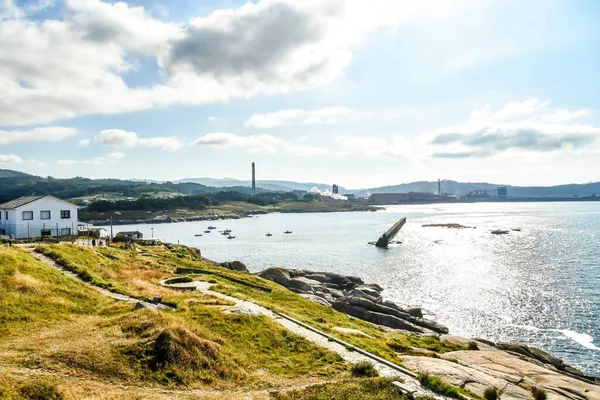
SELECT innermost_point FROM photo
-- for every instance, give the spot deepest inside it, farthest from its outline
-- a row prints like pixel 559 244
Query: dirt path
pixel 249 308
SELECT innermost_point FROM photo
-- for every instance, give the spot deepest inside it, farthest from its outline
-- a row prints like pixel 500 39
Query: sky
pixel 358 93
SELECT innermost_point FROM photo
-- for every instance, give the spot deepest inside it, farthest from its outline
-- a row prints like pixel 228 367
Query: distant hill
pixel 265 184
pixel 8 173
pixel 462 188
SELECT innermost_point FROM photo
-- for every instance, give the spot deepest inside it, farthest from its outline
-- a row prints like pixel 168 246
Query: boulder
pixel 278 275
pixel 316 277
pixel 302 284
pixel 156 299
pixel 235 266
pixel 316 299
pixel 365 295
pixel 375 317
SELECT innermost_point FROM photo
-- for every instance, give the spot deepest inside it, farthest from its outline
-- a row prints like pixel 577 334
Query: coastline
pixel 230 211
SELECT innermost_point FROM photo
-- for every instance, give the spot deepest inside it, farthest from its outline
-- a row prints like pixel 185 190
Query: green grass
pixel 364 369
pixel 86 263
pixel 33 293
pixel 355 389
pixel 436 385
pixel 51 322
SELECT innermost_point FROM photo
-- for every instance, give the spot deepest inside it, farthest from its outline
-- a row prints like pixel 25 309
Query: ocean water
pixel 539 285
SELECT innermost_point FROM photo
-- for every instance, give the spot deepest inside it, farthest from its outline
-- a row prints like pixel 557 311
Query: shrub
pixel 490 394
pixel 364 369
pixel 538 393
pixel 473 346
pixel 437 385
pixel 41 391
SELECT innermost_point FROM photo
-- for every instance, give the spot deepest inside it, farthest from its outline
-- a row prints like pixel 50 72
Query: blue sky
pixel 361 94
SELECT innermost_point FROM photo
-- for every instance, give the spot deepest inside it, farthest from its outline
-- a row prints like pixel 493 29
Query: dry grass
pixel 53 323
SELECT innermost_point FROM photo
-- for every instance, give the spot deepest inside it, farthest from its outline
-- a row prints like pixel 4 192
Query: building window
pixel 27 215
pixel 65 214
pixel 46 232
pixel 44 214
pixel 6 215
pixel 65 232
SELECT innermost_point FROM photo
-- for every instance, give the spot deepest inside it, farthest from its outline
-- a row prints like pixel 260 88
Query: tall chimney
pixel 439 187
pixel 253 179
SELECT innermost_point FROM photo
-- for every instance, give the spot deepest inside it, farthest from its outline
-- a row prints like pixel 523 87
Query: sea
pixel 539 284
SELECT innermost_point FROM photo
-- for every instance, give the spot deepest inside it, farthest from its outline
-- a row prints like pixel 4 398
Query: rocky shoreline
pixel 352 296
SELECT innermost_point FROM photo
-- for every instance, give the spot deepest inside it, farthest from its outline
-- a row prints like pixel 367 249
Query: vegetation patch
pixel 364 369
pixel 538 393
pixel 436 385
pixel 490 394
pixel 351 389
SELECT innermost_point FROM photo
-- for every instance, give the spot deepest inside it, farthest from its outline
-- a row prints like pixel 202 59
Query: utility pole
pixel 111 228
pixel 152 233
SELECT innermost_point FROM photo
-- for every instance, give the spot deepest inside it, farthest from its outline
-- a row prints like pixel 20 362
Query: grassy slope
pixel 52 323
pixel 138 272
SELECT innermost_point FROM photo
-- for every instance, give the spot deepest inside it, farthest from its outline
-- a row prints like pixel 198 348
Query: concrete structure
pixel 253 179
pixel 38 216
pixel 335 189
pixel 391 233
pixel 502 191
pixel 133 235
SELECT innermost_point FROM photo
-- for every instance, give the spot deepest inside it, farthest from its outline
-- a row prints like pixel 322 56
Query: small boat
pixel 230 237
pixel 206 231
pixel 227 231
pixel 212 227
pixel 269 234
pixel 287 232
pixel 198 234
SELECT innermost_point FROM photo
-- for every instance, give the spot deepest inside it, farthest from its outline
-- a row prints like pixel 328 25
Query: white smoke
pixel 327 193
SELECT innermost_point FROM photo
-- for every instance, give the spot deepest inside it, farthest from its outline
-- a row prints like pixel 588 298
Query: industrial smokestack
pixel 439 187
pixel 253 179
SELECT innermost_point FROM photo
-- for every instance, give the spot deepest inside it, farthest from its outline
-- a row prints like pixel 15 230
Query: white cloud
pixel 10 159
pixel 120 138
pixel 258 144
pixel 63 68
pixel 67 162
pixel 329 115
pixel 37 162
pixel 9 10
pixel 46 134
pixel 517 128
pixel 110 158
pixel 84 142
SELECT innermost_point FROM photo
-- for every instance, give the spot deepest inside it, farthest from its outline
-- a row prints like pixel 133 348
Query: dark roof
pixel 21 201
pixel 129 233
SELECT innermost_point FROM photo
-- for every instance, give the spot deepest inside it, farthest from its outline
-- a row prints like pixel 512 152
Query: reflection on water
pixel 539 286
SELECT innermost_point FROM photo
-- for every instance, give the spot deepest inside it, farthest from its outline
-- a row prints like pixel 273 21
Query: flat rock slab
pixel 478 370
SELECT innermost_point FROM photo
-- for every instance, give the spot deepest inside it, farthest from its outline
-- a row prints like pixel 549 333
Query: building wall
pixel 58 226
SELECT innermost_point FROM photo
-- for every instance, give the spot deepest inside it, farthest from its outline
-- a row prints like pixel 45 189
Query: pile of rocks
pixel 350 295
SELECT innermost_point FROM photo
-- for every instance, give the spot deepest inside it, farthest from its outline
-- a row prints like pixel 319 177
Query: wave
pixel 582 339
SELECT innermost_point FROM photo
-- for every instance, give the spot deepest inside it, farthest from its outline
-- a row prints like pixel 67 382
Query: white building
pixel 37 216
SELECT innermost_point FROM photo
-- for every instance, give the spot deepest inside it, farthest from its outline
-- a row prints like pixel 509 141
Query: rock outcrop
pixel 234 266
pixel 352 296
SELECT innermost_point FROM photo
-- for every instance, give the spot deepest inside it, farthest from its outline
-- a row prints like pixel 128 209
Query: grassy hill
pixel 8 173
pixel 60 339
